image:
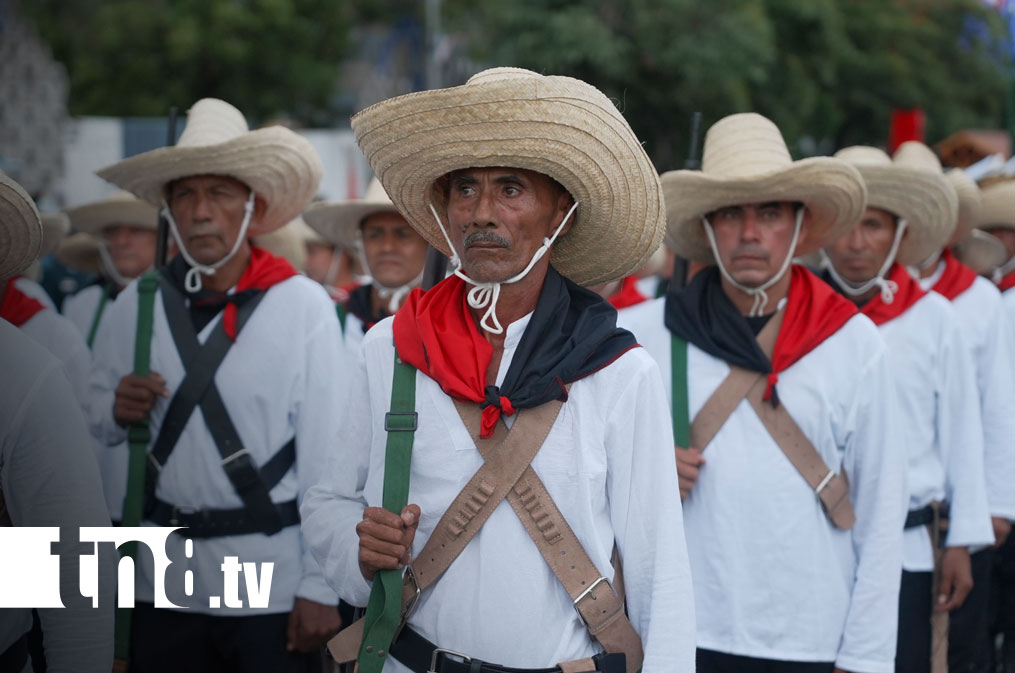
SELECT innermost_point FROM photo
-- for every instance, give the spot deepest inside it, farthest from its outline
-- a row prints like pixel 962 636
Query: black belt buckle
pixel 440 654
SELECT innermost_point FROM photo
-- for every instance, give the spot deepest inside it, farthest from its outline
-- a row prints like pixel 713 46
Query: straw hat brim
pixel 20 229
pixel 338 223
pixel 92 218
pixel 833 191
pixel 557 126
pixel 924 199
pixel 80 251
pixel 997 207
pixel 274 162
pixel 981 252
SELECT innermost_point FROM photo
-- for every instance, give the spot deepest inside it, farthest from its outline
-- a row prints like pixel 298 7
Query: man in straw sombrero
pixel 123 228
pixel 791 467
pixel 912 211
pixel 997 217
pixel 237 333
pixel 980 310
pixel 394 254
pixel 47 478
pixel 534 185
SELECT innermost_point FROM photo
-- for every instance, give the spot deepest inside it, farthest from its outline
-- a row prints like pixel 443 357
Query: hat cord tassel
pixel 485 295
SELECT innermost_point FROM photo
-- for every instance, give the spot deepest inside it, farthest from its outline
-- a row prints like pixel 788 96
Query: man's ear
pixel 260 208
pixel 805 227
pixel 564 203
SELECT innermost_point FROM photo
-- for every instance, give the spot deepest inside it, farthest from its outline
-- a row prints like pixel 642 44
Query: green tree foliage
pixel 270 58
pixel 828 72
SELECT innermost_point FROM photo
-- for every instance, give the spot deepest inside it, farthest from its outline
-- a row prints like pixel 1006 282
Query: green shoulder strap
pixel 103 300
pixel 341 313
pixel 138 438
pixel 678 377
pixel 384 610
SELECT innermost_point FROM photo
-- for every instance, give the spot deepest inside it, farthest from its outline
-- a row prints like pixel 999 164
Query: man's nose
pixel 750 230
pixel 483 214
pixel 856 240
pixel 202 207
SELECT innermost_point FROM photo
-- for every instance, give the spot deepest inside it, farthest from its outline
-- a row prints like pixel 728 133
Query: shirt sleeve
pixel 112 359
pixel 997 401
pixel 875 463
pixel 49 481
pixel 647 518
pixel 333 506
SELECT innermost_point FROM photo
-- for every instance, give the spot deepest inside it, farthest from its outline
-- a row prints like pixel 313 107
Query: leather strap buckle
pixel 440 653
pixel 410 606
pixel 588 594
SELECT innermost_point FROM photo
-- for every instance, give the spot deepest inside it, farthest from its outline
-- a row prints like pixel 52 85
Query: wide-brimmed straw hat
pixel 274 162
pixel 55 227
pixel 745 160
pixel 558 126
pixel 20 228
pixel 997 210
pixel 911 186
pixel 287 241
pixel 970 202
pixel 80 252
pixel 338 222
pixel 119 208
pixel 981 252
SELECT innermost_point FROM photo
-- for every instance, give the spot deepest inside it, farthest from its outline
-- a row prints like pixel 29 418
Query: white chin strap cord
pixel 485 295
pixel 1002 271
pixel 888 287
pixel 395 295
pixel 759 294
pixel 192 281
pixel 110 268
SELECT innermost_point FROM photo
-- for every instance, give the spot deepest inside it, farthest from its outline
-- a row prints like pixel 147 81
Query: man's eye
pixel 511 190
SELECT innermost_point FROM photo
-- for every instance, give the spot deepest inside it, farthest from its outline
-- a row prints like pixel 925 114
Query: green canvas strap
pixel 107 292
pixel 342 315
pixel 678 378
pixel 384 610
pixel 138 437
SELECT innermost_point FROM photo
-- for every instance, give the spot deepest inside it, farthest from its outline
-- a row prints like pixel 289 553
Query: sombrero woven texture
pixel 20 228
pixel 278 164
pixel 338 222
pixel 745 160
pixel 970 202
pixel 120 208
pixel 559 126
pixel 911 186
pixel 998 206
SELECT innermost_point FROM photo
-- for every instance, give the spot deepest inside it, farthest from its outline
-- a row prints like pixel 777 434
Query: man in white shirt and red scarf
pixel 535 185
pixel 911 212
pixel 789 455
pixel 246 364
pixel 981 317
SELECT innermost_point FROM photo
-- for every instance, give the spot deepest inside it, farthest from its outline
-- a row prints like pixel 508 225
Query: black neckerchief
pixel 360 304
pixel 702 314
pixel 572 333
pixel 202 305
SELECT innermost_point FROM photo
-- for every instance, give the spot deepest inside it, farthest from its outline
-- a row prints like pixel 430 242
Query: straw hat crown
pixel 745 160
pixel 274 162
pixel 20 228
pixel 119 208
pixel 970 201
pixel 509 117
pixel 909 185
pixel 998 209
pixel 338 221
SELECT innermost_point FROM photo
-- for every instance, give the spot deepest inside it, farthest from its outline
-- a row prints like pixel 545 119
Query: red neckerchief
pixel 263 271
pixel 628 294
pixel 17 307
pixel 1007 282
pixel 956 279
pixel 435 333
pixel 814 312
pixel 908 294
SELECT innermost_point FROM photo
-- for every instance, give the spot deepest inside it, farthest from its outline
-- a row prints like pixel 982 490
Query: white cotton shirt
pixel 353 333
pixel 939 412
pixel 80 308
pixel 285 375
pixel 59 336
pixel 773 578
pixel 49 479
pixel 608 464
pixel 981 315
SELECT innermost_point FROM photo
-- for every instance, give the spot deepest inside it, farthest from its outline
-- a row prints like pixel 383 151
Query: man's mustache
pixel 752 250
pixel 486 237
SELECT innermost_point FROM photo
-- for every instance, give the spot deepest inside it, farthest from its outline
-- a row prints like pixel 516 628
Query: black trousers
pixel 1003 603
pixel 172 641
pixel 718 662
pixel 912 651
pixel 969 646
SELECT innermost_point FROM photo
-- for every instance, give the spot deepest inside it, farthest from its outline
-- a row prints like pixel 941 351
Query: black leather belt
pixel 218 522
pixel 421 656
pixel 924 516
